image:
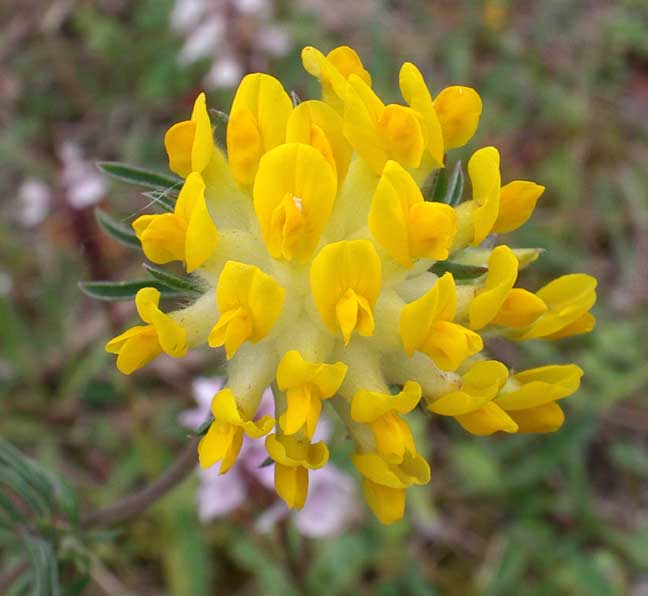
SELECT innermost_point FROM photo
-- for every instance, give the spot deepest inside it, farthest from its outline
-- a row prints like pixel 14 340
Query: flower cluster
pixel 329 275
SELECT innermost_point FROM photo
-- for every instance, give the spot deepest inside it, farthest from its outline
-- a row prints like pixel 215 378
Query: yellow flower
pixel 190 144
pixel 568 301
pixel 293 458
pixel 472 405
pixel 345 281
pixel 249 302
pixel 498 302
pixel 405 225
pixel 141 344
pixel 426 325
pixel 293 195
pixel 384 483
pixel 382 412
pixel 313 234
pixel 224 438
pixel 188 234
pixel 333 71
pixel 257 123
pixel 306 384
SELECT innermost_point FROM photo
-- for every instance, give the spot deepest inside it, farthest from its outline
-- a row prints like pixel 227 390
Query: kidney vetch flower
pixel 328 273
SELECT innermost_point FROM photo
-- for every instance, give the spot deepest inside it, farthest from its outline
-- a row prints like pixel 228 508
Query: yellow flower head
pixel 320 266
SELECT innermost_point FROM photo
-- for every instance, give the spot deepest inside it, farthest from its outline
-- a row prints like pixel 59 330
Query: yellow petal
pixel 302 405
pixel 542 385
pixel 221 443
pixel 478 386
pixel 449 344
pixel 368 406
pixel 393 437
pixel 489 419
pixel 387 504
pixel 291 484
pixel 190 144
pixel 233 328
pixel 584 324
pixel 568 298
pixel 437 304
pixel 333 71
pixel 502 274
pixel 404 224
pixel 432 228
pixel 289 451
pixel 517 202
pixel 135 348
pixel 339 267
pixel 226 410
pixel 412 470
pixel 483 169
pixel 318 124
pixel 162 237
pixel 293 195
pixel 543 419
pixel 257 123
pixel 417 95
pixel 293 372
pixel 520 309
pixel 201 235
pixel 402 135
pixel 459 109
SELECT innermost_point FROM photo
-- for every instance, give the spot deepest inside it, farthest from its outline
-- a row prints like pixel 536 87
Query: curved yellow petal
pixel 201 234
pixel 162 237
pixel 345 279
pixel 489 419
pixel 417 95
pixel 368 406
pixel 459 109
pixel 542 419
pixel 520 309
pixel 293 193
pixel 387 504
pixel 517 202
pixel 484 172
pixel 289 451
pixel 257 123
pixel 318 124
pixel 412 470
pixel 293 371
pixel 502 274
pixel 538 386
pixel 291 484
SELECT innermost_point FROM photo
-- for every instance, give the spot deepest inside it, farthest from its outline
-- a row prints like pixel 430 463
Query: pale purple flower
pixel 83 184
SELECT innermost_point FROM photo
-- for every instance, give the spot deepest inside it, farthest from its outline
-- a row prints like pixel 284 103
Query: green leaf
pixel 458 271
pixel 268 461
pixel 124 290
pixel 44 567
pixel 454 190
pixel 163 199
pixel 186 285
pixel 116 229
pixel 139 176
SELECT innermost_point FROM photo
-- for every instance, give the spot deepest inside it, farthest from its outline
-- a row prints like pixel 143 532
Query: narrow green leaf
pixel 44 567
pixel 139 176
pixel 162 199
pixel 174 282
pixel 458 271
pixel 455 186
pixel 268 461
pixel 116 229
pixel 37 502
pixel 124 290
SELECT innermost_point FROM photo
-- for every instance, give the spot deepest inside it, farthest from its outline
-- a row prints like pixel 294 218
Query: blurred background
pixel 565 91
